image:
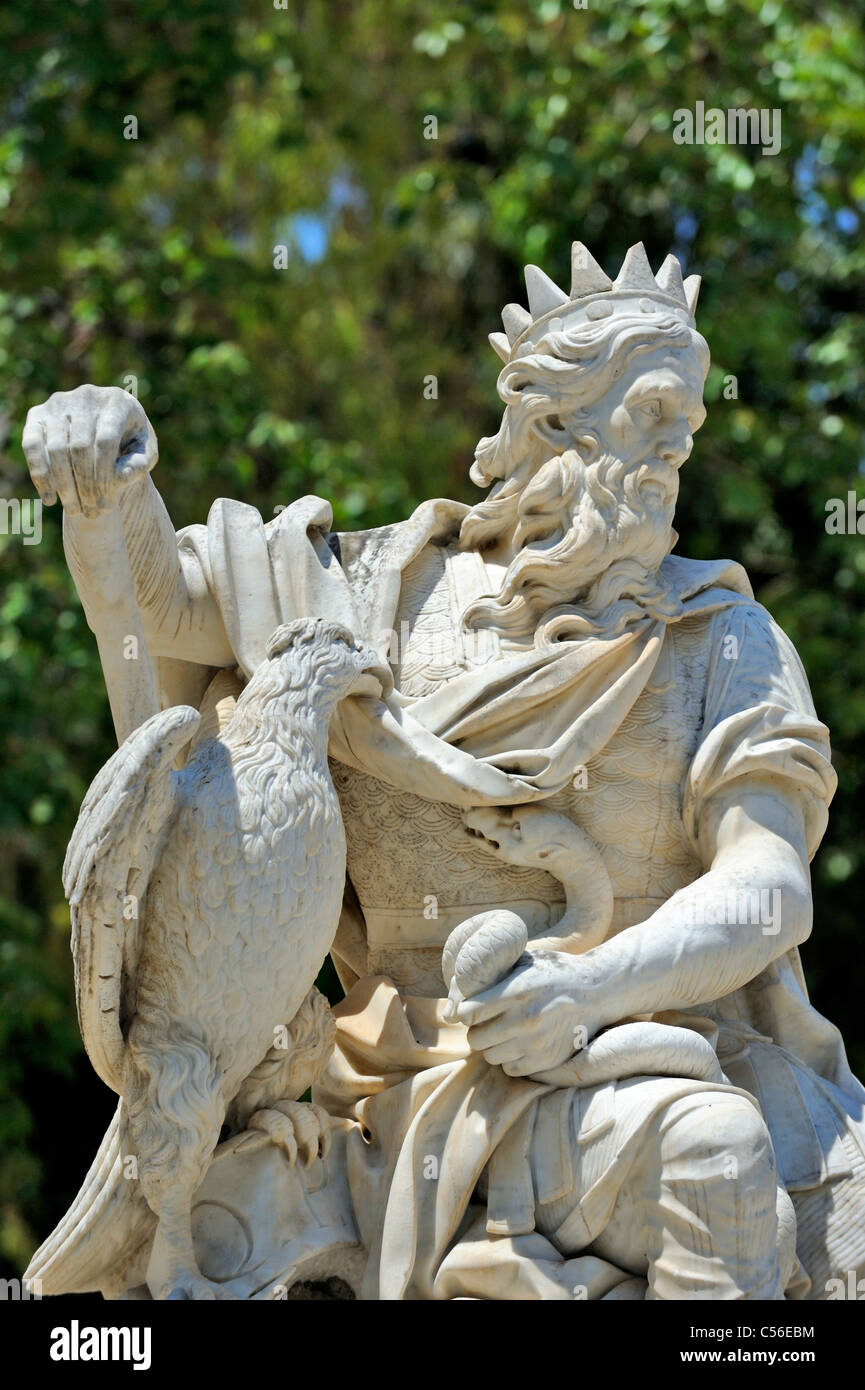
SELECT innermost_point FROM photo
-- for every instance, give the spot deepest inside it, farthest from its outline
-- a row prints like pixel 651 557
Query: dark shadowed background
pixel 153 258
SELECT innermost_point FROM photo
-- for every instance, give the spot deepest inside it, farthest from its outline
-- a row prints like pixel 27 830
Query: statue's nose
pixel 676 448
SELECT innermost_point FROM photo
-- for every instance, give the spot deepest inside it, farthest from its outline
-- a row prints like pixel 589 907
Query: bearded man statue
pixel 590 739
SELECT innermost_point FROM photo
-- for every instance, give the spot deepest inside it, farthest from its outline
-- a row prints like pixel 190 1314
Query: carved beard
pixel 591 538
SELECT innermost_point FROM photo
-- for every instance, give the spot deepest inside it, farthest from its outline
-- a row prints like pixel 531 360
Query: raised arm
pixel 94 448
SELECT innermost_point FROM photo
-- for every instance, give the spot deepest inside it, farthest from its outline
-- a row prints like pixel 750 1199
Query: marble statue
pixel 580 779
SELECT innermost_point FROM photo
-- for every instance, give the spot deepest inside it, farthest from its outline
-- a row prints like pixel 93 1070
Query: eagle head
pixel 322 657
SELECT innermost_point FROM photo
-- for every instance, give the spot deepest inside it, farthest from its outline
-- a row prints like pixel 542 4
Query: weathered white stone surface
pixel 575 781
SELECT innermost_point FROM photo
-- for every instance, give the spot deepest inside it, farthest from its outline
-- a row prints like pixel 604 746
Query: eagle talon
pixel 299 1128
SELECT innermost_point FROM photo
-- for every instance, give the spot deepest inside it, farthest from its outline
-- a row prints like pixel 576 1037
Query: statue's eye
pixel 653 407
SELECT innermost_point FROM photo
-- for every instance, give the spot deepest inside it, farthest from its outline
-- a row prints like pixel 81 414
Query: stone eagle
pixel 203 904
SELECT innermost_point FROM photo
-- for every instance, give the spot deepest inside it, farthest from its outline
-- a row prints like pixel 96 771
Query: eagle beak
pixel 375 679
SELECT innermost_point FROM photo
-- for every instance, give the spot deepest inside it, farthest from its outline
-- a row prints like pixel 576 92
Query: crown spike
pixel 587 277
pixel 544 294
pixel 636 273
pixel 669 279
pixel 516 320
pixel 692 292
pixel 499 343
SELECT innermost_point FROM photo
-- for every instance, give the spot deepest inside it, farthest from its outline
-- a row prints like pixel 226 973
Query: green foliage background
pixel 260 125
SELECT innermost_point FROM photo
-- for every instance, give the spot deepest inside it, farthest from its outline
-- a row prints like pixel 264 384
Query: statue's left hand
pixel 536 1018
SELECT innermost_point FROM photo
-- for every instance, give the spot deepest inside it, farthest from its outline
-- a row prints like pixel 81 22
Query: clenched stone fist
pixel 83 446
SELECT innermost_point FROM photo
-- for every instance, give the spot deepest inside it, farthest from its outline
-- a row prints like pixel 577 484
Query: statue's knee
pixel 717 1136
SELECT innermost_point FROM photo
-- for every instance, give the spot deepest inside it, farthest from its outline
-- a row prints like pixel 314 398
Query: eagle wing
pixel 118 835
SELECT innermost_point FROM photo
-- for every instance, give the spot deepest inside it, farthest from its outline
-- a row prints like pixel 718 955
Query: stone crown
pixel 594 296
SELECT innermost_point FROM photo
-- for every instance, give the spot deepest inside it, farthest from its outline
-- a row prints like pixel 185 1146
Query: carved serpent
pixel 486 947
